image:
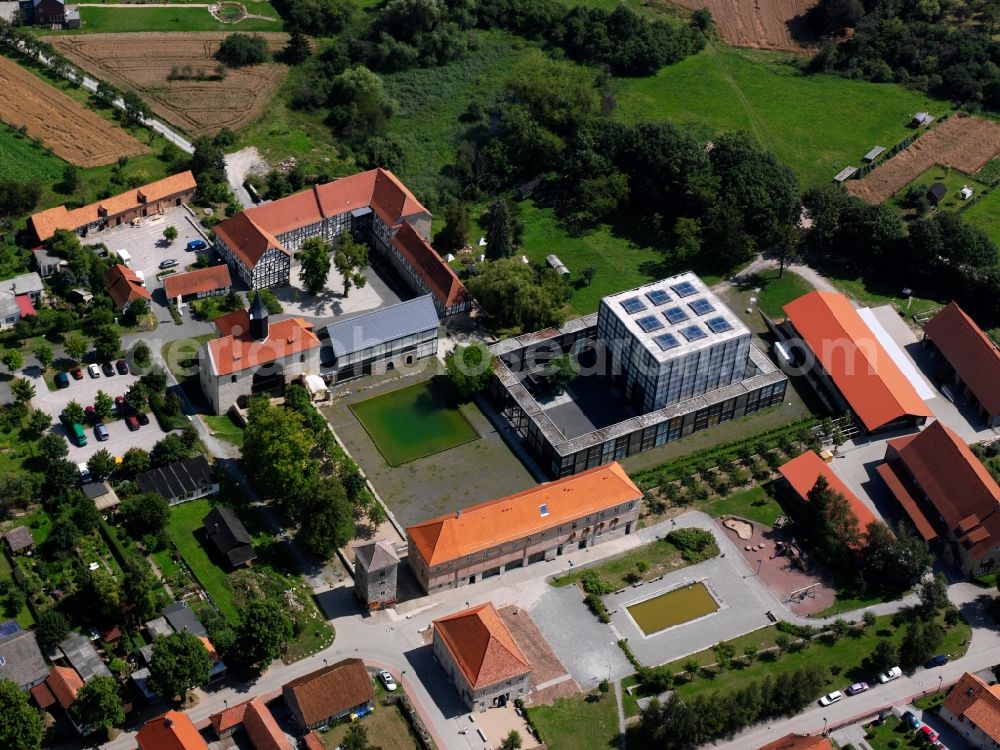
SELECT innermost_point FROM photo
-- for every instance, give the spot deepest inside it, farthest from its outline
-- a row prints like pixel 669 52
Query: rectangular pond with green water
pixel 673 608
pixel 414 422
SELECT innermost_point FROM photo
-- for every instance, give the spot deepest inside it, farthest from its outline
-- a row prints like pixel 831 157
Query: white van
pixel 125 256
pixel 142 278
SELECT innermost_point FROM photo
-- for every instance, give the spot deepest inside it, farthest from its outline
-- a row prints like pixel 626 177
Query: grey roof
pixel 94 490
pixel 178 478
pixel 21 660
pixel 181 619
pixel 229 536
pixel 383 325
pixel 19 538
pixel 376 555
pixel 82 655
pixel 26 283
pixel 159 627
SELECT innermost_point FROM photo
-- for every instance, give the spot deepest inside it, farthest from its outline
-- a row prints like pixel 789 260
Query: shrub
pixel 694 544
pixel 593 583
pixel 596 605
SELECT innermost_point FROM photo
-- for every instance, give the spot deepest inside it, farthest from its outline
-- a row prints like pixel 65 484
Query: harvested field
pixel 962 143
pixel 69 129
pixel 773 24
pixel 144 61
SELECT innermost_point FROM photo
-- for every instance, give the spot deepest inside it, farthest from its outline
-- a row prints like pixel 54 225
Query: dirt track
pixel 72 131
pixel 763 24
pixel 962 143
pixel 143 62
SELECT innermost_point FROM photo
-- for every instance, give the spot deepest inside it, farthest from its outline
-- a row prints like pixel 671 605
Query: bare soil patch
pixel 962 143
pixel 144 62
pixel 72 131
pixel 761 24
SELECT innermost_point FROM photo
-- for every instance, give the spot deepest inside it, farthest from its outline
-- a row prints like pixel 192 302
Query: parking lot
pixel 84 392
pixel 148 248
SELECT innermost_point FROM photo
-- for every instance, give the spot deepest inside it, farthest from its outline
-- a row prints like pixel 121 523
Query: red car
pixel 929 734
pixel 91 414
pixel 132 423
pixel 77 373
pixel 120 404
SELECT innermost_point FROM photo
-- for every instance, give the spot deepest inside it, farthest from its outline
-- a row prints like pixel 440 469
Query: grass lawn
pixel 24 618
pixel 874 292
pixel 801 118
pixel 985 214
pixel 387 728
pixel 22 158
pixel 953 180
pixel 583 721
pixel 165 562
pixel 181 355
pixel 180 18
pixel 754 504
pixel 880 738
pixel 224 428
pixel 776 292
pixel 414 422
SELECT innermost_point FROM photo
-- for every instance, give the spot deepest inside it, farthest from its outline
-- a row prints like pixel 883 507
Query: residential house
pixel 799 742
pixel 83 657
pixel 52 13
pixel 171 731
pixel 182 619
pixel 537 524
pixel 18 297
pixel 375 567
pixel 972 708
pixel 330 694
pixel 937 193
pixel 21 660
pixel 125 286
pixel 252 356
pixel 187 479
pixel 969 359
pixel 381 340
pixel 136 203
pixel 948 494
pixel 19 540
pixel 60 688
pixel 46 263
pixel 203 282
pixel 229 536
pixel 254 720
pixel 481 657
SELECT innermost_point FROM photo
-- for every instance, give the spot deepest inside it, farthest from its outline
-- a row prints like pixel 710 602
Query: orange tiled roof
pixel 799 742
pixel 804 471
pixel 257 721
pixel 971 352
pixel 439 277
pixel 481 646
pixel 124 286
pixel 238 352
pixel 236 323
pixel 956 483
pixel 65 683
pixel 516 516
pixel 863 371
pixel 313 742
pixel 248 240
pixel 171 731
pixel 42 695
pixel 978 702
pixel 209 647
pixel 201 280
pixel 45 223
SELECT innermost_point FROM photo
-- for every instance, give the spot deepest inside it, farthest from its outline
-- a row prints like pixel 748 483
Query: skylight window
pixel 676 315
pixel 649 323
pixel 666 341
pixel 719 324
pixel 633 305
pixel 693 333
pixel 658 297
pixel 684 289
pixel 701 306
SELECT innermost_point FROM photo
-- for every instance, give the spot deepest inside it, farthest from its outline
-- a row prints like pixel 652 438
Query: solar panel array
pixel 693 333
pixel 666 341
pixel 701 306
pixel 719 324
pixel 684 289
pixel 658 297
pixel 676 315
pixel 633 305
pixel 649 323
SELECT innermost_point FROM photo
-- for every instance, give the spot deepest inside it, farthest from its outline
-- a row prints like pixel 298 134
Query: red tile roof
pixel 247 240
pixel 42 695
pixel 516 516
pixel 313 742
pixel 804 471
pixel 257 721
pixel 45 223
pixel 978 702
pixel 124 286
pixel 897 486
pixel 481 646
pixel 971 352
pixel 862 370
pixel 24 305
pixel 238 352
pixel 64 683
pixel 799 742
pixel 956 483
pixel 172 731
pixel 194 282
pixel 236 323
pixel 439 277
pixel 330 691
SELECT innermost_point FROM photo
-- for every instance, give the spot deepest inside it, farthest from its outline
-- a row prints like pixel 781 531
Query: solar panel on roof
pixel 676 315
pixel 701 306
pixel 649 323
pixel 9 628
pixel 719 324
pixel 693 333
pixel 632 305
pixel 684 289
pixel 658 297
pixel 666 341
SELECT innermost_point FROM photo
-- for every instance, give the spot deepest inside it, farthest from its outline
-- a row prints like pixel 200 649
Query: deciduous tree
pixel 23 390
pixel 326 516
pixel 12 359
pixel 314 257
pixel 180 662
pixel 499 238
pixel 98 705
pixel 264 628
pixel 76 346
pixel 43 352
pixel 351 258
pixel 468 369
pixel 21 723
pixel 170 234
pixel 101 464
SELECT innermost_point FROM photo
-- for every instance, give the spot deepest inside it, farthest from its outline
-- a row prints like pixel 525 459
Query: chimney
pixel 458 513
pixel 168 722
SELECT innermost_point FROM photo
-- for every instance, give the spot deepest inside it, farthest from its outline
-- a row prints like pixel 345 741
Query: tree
pixel 38 422
pixel 107 343
pixel 277 449
pixel 587 274
pixel 141 354
pixel 134 111
pixel 831 522
pixel 314 257
pixel 146 513
pixel 516 294
pixel 469 369
pixel 138 589
pixel 264 628
pixel 921 639
pixel 73 413
pixel 101 465
pixel 52 627
pixel 180 662
pixel 357 738
pixel 326 516
pixel 43 352
pixel 170 234
pixel 12 359
pixel 136 397
pixel 513 739
pixel 76 346
pixel 297 49
pixel 894 562
pixel 21 723
pixel 933 593
pixel 239 50
pixel 134 461
pixel 98 705
pixel 155 380
pixel 561 371
pixel 167 450
pixel 455 232
pixel 499 237
pixel 70 180
pixel 53 446
pixel 23 390
pixel 104 406
pixel 350 259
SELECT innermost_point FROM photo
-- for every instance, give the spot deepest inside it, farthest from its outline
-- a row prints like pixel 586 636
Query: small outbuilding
pixel 101 494
pixel 558 265
pixel 965 193
pixel 845 174
pixel 19 540
pixel 229 536
pixel 937 192
pixel 921 118
pixel 874 154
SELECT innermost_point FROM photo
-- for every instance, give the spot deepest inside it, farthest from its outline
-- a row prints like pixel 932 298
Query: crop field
pixel 22 158
pixel 73 132
pixel 144 62
pixel 106 20
pixel 802 118
pixel 963 143
pixel 774 25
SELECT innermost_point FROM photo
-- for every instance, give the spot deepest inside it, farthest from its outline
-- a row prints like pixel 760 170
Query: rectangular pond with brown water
pixel 672 608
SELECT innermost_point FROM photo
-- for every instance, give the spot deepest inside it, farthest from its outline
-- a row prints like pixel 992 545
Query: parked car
pixel 121 405
pixel 893 674
pixel 101 432
pixel 857 687
pixel 168 263
pixel 108 369
pixel 84 473
pixel 77 373
pixel 62 380
pixel 928 734
pixel 195 246
pixel 387 680
pixel 911 720
pixel 94 371
pixel 132 423
pixel 830 698
pixel 90 413
pixel 122 366
pixel 936 661
pixel 142 417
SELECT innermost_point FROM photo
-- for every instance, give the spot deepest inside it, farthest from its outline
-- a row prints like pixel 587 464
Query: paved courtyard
pixel 330 302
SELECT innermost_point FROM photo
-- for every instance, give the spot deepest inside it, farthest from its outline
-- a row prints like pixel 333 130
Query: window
pixel 666 341
pixel 233 379
pixel 649 323
pixel 658 297
pixel 684 289
pixel 633 305
pixel 719 324
pixel 693 333
pixel 676 315
pixel 701 306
